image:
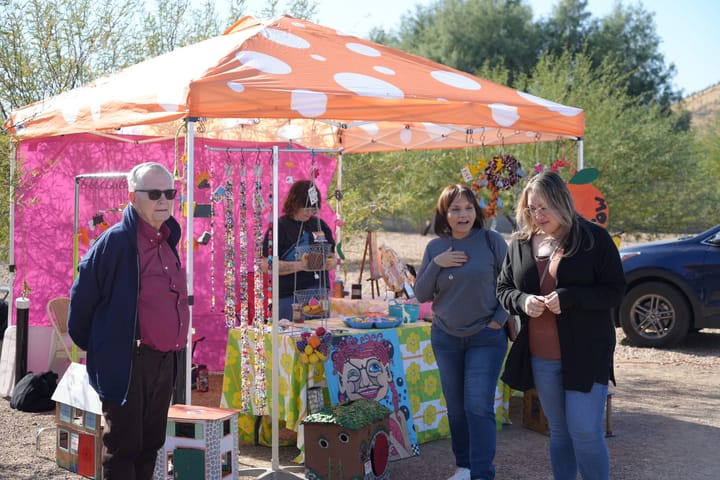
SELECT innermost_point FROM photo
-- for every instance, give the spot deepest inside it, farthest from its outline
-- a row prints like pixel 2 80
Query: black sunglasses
pixel 155 194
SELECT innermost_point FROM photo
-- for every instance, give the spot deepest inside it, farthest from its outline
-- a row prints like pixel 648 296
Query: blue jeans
pixel 469 369
pixel 577 440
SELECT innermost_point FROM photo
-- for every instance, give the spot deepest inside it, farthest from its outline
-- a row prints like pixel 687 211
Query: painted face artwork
pixel 365 378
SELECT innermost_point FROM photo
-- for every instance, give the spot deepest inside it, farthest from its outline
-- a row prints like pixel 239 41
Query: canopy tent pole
pixel 338 204
pixel 276 472
pixel 189 236
pixel 11 247
pixel 581 157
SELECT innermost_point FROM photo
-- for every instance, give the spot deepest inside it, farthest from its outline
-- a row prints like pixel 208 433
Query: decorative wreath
pixel 502 172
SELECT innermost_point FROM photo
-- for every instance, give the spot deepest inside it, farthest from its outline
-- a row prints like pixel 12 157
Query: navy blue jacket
pixel 103 304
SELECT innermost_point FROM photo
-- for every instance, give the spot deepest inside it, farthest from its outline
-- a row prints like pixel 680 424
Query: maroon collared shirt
pixel 163 312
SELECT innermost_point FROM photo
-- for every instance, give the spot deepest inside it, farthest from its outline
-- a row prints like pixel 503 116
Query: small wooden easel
pixel 370 255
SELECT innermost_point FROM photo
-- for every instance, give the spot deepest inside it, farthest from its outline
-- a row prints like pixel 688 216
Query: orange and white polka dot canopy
pixel 291 79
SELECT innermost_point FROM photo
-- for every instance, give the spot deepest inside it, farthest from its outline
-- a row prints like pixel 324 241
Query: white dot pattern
pixel 362 49
pixel 504 115
pixel 291 69
pixel 367 86
pixel 455 80
pixel 308 104
pixel 285 38
pixel 384 70
pixel 263 62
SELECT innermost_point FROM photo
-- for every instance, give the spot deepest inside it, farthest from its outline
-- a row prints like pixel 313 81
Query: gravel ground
pixel 665 418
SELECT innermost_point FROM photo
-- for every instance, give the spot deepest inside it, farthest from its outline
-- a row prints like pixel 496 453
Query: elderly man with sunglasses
pixel 129 311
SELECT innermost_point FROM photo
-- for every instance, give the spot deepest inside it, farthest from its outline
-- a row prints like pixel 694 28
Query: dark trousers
pixel 134 432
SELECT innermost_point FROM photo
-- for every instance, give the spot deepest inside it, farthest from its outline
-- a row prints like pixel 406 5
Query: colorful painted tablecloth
pixel 295 378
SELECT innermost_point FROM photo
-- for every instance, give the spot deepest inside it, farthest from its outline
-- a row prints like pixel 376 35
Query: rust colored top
pixel 543 332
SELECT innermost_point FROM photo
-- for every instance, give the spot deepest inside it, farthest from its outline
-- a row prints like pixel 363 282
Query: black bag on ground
pixel 34 391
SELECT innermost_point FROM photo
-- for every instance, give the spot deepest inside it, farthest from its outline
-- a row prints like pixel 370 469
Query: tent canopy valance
pixel 293 81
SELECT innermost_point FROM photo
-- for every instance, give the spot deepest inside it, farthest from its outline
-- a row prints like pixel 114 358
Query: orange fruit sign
pixel 590 203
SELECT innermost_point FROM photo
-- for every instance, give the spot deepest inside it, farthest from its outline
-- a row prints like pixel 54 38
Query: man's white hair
pixel 140 170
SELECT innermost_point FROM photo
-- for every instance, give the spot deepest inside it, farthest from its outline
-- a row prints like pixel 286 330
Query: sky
pixel 688 29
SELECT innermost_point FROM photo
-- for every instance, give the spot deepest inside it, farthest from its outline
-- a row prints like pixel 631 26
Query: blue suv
pixel 672 287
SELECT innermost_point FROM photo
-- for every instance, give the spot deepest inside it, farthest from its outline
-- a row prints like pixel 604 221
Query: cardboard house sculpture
pixel 201 443
pixel 348 441
pixel 78 415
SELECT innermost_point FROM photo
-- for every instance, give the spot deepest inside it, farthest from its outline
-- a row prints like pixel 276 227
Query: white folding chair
pixel 61 343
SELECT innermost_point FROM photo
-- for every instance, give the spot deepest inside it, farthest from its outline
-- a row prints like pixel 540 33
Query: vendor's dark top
pixel 292 233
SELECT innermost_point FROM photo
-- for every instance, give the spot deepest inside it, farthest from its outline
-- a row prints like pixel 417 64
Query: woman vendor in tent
pixel 305 246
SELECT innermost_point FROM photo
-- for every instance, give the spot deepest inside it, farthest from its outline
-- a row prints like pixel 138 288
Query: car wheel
pixel 654 314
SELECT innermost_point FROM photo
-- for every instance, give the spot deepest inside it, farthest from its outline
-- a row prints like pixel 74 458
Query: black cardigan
pixel 589 284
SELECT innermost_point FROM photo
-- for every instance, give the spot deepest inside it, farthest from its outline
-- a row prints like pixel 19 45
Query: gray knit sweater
pixel 464 300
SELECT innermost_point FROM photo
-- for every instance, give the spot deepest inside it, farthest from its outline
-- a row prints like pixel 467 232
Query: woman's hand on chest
pixel 451 258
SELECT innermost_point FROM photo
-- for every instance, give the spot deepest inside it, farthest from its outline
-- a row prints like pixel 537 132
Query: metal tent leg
pixel 37 436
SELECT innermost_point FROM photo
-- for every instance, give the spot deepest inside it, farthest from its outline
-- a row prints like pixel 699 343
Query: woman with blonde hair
pixel 562 276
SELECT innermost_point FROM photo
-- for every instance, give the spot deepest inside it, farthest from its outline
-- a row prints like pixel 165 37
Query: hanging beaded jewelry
pixel 245 342
pixel 243 244
pixel 212 240
pixel 260 396
pixel 229 260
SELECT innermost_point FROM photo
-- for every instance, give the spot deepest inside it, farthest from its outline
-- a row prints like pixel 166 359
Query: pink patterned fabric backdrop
pixel 45 214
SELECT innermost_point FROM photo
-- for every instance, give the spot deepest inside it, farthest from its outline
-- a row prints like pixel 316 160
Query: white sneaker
pixel 461 474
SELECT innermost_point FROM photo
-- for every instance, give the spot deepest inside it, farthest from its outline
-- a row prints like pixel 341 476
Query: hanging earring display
pixel 258 290
pixel 270 242
pixel 229 259
pixel 245 343
pixel 243 244
pixel 205 183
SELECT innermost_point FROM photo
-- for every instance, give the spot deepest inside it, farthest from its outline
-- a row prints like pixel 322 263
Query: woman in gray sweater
pixel 458 275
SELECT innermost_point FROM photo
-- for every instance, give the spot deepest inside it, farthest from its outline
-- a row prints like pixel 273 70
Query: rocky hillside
pixel 704 105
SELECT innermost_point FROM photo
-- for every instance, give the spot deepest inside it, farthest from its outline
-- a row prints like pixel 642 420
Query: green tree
pixel 706 149
pixel 473 34
pixel 629 38
pixel 567 28
pixel 467 34
pixel 52 46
